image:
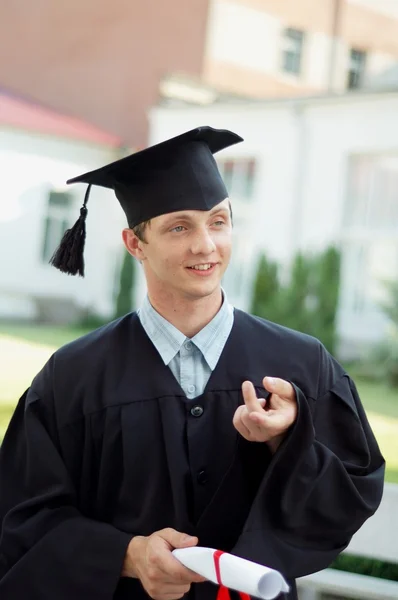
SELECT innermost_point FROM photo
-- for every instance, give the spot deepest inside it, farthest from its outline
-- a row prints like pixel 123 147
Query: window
pixel 372 202
pixel 56 222
pixel 292 49
pixel 370 242
pixel 238 175
pixel 356 70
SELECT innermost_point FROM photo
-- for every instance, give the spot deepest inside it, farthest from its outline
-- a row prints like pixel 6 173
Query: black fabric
pixel 103 447
pixel 177 174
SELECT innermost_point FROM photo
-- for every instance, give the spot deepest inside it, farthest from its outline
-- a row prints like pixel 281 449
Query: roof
pixel 27 115
pixel 223 101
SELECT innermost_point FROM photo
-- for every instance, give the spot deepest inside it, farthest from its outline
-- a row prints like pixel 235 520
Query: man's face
pixel 187 252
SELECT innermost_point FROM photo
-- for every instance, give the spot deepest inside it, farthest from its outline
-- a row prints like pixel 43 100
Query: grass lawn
pixel 25 349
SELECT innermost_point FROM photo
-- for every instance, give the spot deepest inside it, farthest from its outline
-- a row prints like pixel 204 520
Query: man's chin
pixel 203 289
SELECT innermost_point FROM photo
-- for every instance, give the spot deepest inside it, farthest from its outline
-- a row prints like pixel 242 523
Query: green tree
pixel 390 307
pixel 298 297
pixel 327 284
pixel 124 298
pixel 266 290
pixel 308 301
pixel 384 357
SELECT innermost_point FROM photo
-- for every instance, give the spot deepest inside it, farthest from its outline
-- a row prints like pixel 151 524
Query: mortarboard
pixel 177 174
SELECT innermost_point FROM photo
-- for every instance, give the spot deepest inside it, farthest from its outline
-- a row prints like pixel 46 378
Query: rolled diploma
pixel 236 573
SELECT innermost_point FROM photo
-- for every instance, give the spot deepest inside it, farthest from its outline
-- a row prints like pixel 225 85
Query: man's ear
pixel 133 244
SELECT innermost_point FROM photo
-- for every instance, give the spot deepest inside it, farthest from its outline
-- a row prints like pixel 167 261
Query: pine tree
pixel 124 299
pixel 327 292
pixel 265 299
pixel 298 298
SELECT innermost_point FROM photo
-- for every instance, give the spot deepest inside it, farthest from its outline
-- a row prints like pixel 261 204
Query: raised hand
pixel 259 420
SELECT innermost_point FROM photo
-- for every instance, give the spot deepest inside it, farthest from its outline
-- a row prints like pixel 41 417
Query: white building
pixel 39 151
pixel 312 172
pixel 274 48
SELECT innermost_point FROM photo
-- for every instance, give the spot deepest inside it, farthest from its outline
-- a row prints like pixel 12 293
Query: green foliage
pixel 366 566
pixel 327 294
pixel 297 299
pixel 308 302
pixel 383 359
pixel 90 321
pixel 124 298
pixel 390 308
pixel 266 290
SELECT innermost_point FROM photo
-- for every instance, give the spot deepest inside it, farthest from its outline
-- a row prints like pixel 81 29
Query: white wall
pixel 31 166
pixel 302 150
pixel 243 36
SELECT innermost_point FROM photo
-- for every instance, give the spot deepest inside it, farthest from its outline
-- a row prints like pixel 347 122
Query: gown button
pixel 197 411
pixel 202 477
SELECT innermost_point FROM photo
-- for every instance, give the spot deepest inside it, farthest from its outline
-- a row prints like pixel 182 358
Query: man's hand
pixel 149 559
pixel 259 420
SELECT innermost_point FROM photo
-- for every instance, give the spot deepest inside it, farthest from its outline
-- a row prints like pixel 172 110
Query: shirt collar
pixel 168 340
pixel 211 339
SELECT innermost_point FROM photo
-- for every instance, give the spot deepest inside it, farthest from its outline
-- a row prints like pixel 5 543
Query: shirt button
pixel 191 389
pixel 197 411
pixel 188 345
pixel 201 477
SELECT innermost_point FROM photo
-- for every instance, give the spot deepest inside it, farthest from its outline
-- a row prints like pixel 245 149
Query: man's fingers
pixel 174 571
pixel 176 539
pixel 250 397
pixel 280 387
pixel 167 563
pixel 238 421
pixel 270 421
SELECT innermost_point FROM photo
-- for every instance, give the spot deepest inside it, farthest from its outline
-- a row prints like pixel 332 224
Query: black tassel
pixel 69 256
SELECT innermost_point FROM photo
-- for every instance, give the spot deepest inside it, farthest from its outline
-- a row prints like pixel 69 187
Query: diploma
pixel 233 572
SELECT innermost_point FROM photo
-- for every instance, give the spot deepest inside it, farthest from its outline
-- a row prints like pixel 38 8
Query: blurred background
pixel 311 85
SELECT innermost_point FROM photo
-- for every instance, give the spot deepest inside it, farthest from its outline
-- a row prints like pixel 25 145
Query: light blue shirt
pixel 190 360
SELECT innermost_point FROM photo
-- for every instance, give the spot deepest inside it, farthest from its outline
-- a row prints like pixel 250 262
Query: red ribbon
pixel 223 592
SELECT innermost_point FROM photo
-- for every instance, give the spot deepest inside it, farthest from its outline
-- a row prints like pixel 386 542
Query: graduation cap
pixel 178 174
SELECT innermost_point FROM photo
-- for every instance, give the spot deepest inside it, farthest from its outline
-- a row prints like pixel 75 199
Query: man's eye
pixel 218 223
pixel 178 228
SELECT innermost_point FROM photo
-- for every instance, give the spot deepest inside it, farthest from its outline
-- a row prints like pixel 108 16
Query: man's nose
pixel 202 243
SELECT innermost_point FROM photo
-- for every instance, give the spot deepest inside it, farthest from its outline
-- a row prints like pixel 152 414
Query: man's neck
pixel 188 315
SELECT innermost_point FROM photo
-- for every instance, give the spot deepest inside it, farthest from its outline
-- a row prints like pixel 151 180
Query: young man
pixel 186 423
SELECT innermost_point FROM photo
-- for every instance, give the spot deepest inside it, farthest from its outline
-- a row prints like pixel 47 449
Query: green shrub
pixel 124 298
pixel 308 301
pixel 266 291
pixel 384 356
pixel 366 566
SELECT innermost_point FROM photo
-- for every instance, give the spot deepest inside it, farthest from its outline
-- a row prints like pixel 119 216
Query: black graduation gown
pixel 103 446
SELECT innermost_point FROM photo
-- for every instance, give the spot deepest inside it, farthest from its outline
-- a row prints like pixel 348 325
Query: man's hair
pixel 139 230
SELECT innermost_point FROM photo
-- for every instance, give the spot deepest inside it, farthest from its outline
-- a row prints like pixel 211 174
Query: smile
pixel 204 267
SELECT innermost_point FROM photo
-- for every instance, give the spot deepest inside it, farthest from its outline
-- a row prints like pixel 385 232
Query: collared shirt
pixel 190 360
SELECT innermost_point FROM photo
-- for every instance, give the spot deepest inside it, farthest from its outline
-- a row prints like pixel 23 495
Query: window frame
pixel 57 219
pixel 293 41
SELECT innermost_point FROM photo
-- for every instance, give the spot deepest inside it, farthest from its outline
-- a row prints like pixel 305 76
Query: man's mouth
pixel 202 267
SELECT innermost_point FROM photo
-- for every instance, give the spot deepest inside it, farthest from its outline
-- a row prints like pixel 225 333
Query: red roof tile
pixel 22 114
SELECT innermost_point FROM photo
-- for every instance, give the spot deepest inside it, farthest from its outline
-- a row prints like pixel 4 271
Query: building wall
pixel 102 61
pixel 97 60
pixel 303 152
pixel 245 44
pixel 32 166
